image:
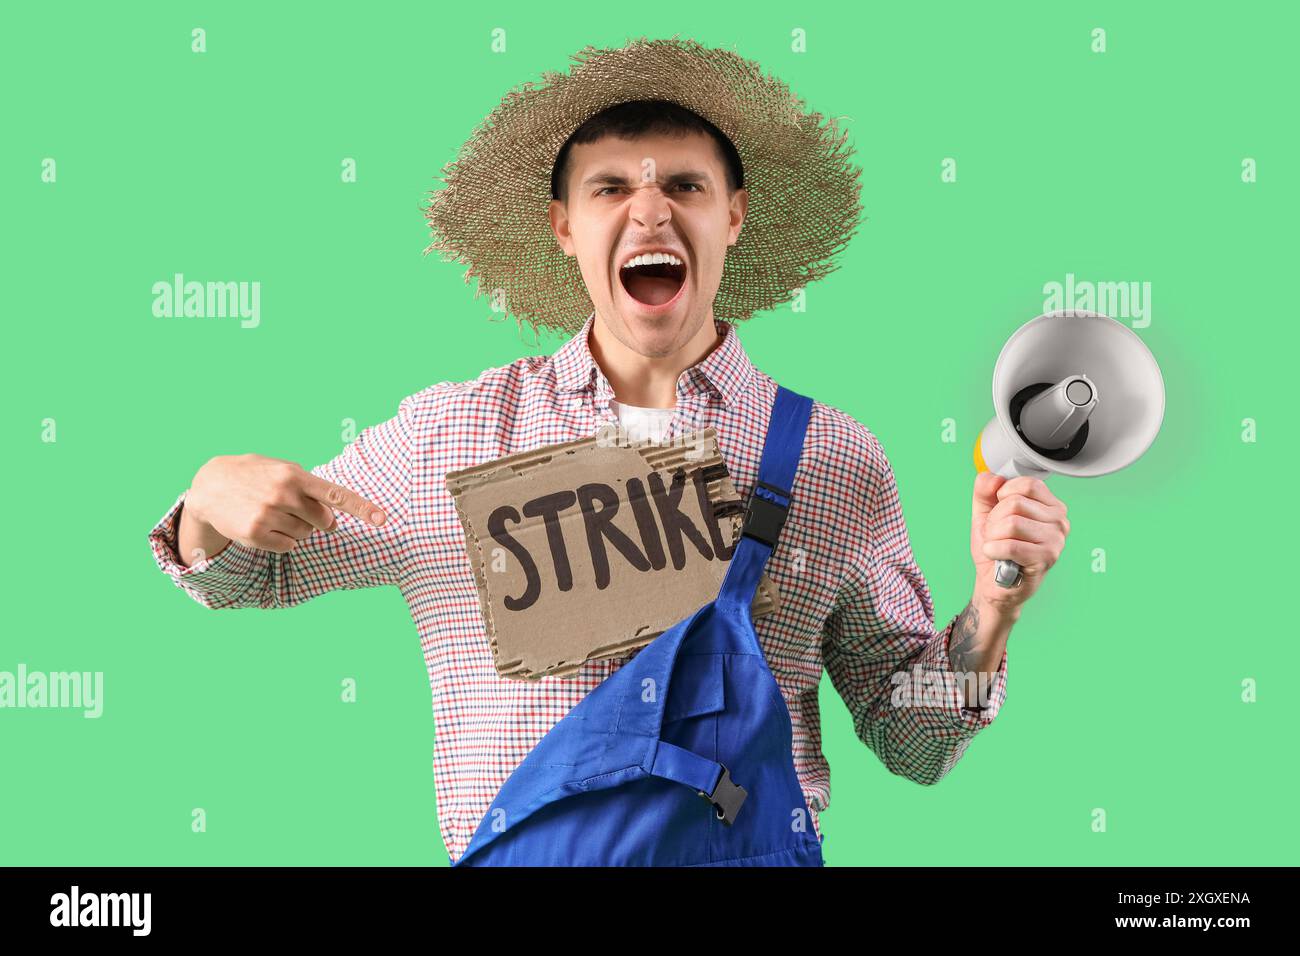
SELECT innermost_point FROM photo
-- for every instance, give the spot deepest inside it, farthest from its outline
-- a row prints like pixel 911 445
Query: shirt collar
pixel 725 372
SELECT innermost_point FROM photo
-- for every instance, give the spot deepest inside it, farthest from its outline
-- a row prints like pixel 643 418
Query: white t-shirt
pixel 642 423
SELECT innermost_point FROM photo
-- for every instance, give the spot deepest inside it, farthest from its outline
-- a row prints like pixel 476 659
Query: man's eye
pixel 695 187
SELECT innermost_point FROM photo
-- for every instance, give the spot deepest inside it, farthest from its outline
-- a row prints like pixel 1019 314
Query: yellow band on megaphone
pixel 980 464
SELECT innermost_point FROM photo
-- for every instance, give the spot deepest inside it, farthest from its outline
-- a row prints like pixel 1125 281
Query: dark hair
pixel 637 118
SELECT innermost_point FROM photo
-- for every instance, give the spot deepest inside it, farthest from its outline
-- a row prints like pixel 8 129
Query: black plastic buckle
pixel 726 797
pixel 763 518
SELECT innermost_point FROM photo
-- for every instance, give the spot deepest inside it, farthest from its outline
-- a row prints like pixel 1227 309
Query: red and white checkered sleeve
pixel 880 647
pixel 378 465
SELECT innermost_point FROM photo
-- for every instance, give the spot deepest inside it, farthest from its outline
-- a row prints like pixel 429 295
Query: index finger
pixel 1034 488
pixel 343 499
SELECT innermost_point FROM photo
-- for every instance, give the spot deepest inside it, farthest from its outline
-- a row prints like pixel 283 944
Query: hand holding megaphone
pixel 1015 521
pixel 1074 393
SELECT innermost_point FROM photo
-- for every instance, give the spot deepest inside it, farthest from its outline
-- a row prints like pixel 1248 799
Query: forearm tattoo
pixel 962 651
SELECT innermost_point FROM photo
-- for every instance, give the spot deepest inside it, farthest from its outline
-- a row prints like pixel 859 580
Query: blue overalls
pixel 682 756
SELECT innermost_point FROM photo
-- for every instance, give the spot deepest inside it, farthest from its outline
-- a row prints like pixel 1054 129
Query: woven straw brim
pixel 492 213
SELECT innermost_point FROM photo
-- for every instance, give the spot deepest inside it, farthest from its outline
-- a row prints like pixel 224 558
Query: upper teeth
pixel 653 258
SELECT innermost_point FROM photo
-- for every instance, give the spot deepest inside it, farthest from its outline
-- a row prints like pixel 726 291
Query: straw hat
pixel 492 213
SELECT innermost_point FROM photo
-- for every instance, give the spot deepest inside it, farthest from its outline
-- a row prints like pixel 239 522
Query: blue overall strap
pixel 768 503
pixel 706 777
pixel 682 766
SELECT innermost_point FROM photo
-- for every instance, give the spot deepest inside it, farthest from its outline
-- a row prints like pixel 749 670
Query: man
pixel 648 197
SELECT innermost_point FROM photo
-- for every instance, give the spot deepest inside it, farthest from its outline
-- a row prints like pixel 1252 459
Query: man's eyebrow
pixel 613 178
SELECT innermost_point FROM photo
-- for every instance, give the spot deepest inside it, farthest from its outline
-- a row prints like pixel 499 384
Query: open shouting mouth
pixel 654 281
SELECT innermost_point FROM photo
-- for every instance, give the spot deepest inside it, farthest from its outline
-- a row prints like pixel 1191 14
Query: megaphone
pixel 1074 393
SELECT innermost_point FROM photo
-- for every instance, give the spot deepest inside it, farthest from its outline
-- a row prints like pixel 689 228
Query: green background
pixel 1124 688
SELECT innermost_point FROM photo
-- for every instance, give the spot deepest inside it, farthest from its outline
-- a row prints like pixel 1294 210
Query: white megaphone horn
pixel 1075 393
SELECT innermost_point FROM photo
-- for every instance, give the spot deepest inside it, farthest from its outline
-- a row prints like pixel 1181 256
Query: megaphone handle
pixel 1007 574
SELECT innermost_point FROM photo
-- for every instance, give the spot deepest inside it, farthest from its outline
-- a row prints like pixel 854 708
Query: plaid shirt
pixel 852 599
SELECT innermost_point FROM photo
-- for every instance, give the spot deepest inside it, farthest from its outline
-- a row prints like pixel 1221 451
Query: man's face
pixel 658 192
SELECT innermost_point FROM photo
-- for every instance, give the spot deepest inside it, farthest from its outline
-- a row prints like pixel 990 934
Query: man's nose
pixel 650 207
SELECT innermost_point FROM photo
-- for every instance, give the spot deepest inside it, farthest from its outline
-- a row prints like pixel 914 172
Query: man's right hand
pixel 265 503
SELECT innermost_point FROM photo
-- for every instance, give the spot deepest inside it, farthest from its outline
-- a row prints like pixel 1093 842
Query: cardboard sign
pixel 592 548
